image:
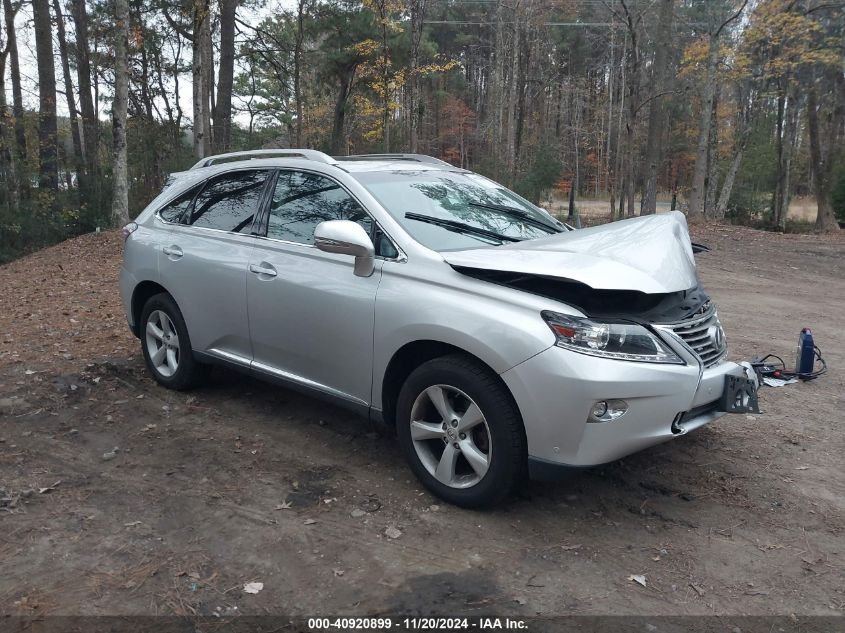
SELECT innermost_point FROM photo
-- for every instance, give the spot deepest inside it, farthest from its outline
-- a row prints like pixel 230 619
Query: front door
pixel 311 319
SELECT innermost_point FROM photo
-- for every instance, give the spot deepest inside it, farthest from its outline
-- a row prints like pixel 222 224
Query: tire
pixel 163 328
pixel 455 470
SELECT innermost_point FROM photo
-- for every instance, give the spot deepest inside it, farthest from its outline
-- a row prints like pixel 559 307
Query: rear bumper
pixel 556 389
pixel 128 283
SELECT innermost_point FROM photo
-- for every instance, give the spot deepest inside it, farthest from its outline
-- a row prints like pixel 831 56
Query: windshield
pixel 453 210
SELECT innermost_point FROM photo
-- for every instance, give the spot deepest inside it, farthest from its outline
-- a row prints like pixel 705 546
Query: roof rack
pixel 308 154
pixel 419 158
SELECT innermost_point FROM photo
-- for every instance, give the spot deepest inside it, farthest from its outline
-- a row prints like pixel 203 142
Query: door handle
pixel 172 251
pixel 262 269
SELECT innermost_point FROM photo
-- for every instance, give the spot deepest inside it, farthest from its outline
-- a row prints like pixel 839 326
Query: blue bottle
pixel 806 357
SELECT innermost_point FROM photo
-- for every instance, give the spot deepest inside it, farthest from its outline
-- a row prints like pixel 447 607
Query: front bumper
pixel 556 389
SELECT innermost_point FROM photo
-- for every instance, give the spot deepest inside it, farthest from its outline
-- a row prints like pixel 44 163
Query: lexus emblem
pixel 716 336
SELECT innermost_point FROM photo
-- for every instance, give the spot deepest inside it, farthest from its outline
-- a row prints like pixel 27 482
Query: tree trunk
pixel 727 185
pixel 88 140
pixel 653 152
pixel 730 177
pixel 297 68
pixel 712 160
pixel 512 96
pixel 787 126
pixel 208 97
pixel 345 77
pixel 385 69
pixel 225 78
pixel 497 82
pixel 631 112
pixel 418 11
pixel 699 176
pixel 618 174
pixel 8 173
pixel 48 170
pixel 201 20
pixel 120 185
pixel 609 119
pixel 821 163
pixel 69 93
pixel 17 94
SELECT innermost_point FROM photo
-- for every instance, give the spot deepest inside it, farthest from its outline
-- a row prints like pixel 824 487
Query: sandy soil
pixel 119 497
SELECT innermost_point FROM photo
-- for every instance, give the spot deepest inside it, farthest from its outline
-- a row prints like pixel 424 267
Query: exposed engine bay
pixel 671 307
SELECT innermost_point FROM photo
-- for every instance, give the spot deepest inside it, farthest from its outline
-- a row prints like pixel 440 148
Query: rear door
pixel 311 318
pixel 204 264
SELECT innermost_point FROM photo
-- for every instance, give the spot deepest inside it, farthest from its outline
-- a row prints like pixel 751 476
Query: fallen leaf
pixel 253 587
pixel 284 505
pixel 699 590
pixel 309 521
pixel 41 491
pixel 640 580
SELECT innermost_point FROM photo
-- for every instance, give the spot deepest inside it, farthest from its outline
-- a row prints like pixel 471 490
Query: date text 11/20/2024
pixel 417 624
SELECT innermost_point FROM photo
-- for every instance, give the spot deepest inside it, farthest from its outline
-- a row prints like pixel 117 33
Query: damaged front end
pixel 640 270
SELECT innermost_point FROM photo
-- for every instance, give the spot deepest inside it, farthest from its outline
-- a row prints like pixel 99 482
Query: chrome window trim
pixel 401 258
pixel 202 184
pixel 208 228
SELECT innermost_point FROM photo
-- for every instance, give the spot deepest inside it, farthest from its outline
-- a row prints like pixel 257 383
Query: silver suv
pixel 494 339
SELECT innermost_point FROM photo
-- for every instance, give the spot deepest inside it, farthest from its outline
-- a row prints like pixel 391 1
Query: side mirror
pixel 348 238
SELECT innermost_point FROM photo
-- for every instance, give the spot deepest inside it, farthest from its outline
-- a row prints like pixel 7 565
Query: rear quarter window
pixel 229 202
pixel 177 210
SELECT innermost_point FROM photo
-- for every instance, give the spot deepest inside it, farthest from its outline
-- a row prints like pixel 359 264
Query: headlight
pixel 622 341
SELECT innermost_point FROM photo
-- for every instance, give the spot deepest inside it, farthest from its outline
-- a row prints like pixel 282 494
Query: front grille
pixel 704 335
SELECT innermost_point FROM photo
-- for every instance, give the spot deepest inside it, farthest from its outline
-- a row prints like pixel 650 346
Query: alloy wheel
pixel 451 436
pixel 162 343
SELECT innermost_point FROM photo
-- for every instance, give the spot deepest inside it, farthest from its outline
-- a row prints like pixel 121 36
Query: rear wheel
pixel 461 431
pixel 167 345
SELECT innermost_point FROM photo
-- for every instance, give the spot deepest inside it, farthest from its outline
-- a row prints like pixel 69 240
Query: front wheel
pixel 461 431
pixel 167 346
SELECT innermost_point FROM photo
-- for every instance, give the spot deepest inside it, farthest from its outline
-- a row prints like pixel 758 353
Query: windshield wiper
pixel 517 213
pixel 460 227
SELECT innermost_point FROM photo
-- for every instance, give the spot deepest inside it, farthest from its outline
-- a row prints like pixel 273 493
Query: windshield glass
pixel 452 210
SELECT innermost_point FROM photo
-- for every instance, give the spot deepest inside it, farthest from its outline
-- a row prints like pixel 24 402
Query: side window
pixel 229 202
pixel 383 245
pixel 175 211
pixel 302 200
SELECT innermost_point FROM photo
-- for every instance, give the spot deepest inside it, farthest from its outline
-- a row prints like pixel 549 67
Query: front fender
pixel 479 318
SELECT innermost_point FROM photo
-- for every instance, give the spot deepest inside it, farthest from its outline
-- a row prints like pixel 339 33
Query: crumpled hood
pixel 649 254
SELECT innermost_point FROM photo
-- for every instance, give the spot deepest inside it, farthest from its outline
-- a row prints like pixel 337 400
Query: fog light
pixel 607 410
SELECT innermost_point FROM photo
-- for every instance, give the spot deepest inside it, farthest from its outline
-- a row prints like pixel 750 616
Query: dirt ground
pixel 803 209
pixel 119 497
